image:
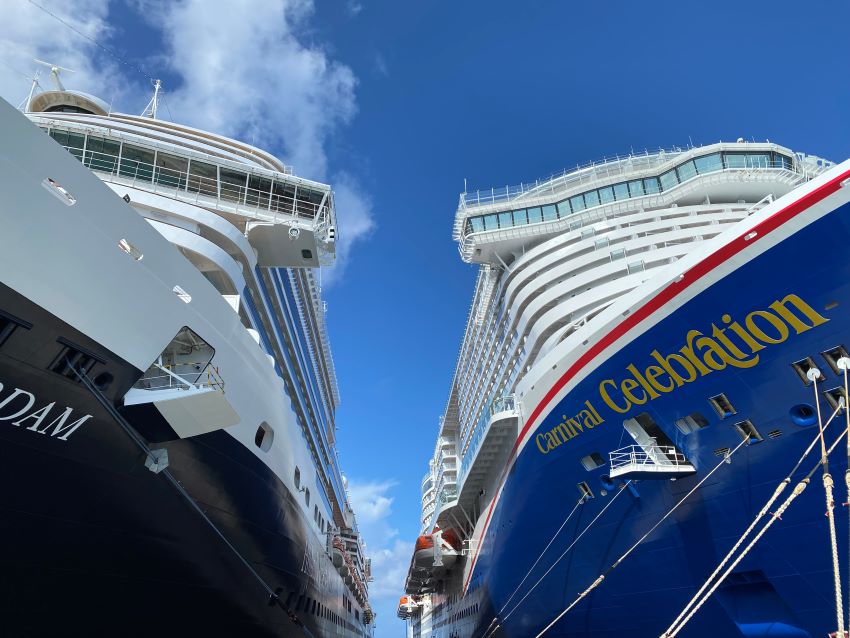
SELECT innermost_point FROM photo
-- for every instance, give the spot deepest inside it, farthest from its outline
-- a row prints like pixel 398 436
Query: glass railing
pixel 184 176
pixel 630 189
pixel 479 433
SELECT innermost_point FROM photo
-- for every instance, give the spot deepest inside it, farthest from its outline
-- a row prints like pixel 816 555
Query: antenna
pixel 25 105
pixel 54 72
pixel 151 108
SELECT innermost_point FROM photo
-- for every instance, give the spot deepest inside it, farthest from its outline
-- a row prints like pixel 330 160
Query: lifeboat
pixel 426 557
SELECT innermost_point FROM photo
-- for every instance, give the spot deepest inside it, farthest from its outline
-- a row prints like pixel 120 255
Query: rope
pixel 617 562
pixel 564 553
pixel 697 602
pixel 274 598
pixel 764 510
pixel 582 500
pixel 828 485
pixel 844 364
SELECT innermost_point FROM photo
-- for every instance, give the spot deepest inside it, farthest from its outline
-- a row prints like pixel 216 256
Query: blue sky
pixel 396 103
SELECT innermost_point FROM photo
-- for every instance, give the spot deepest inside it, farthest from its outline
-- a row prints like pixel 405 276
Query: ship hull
pixel 97 544
pixel 783 587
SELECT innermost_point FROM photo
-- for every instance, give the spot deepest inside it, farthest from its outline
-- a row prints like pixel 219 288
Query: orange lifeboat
pixel 426 558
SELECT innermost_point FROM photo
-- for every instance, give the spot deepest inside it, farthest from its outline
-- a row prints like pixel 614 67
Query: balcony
pixel 650 462
pixel 288 220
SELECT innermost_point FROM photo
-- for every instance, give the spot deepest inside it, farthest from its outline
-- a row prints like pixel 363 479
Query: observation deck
pixel 290 221
pixel 505 220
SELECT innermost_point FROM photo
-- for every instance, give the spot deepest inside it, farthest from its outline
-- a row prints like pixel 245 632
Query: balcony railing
pixel 499 405
pixel 659 460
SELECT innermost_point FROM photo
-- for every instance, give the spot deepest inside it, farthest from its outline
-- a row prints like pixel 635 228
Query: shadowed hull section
pixel 96 544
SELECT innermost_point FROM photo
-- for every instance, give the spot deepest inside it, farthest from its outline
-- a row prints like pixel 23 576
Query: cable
pixel 120 59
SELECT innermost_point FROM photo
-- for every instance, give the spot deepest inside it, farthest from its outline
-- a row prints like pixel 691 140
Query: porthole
pixel 264 437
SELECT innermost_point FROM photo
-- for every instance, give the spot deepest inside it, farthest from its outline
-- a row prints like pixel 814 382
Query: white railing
pixel 171 377
pixel 197 189
pixel 653 456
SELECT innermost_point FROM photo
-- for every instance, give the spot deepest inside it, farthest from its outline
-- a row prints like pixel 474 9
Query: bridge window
pixel 171 170
pixel 136 163
pixel 203 178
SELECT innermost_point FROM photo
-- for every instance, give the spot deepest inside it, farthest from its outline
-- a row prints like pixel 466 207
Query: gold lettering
pixel 537 440
pixel 652 374
pixel 643 382
pixel 608 400
pixel 775 321
pixel 688 351
pixel 754 345
pixel 627 386
pixel 780 308
pixel 680 360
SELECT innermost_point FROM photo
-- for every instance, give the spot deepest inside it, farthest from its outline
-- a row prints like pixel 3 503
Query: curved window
pixel 264 437
pixel 297 479
pixel 307 496
pixel 634 188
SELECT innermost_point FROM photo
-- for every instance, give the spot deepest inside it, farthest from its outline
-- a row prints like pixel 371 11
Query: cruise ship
pixel 645 426
pixel 167 390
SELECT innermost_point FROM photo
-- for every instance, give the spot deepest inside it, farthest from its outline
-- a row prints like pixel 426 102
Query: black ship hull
pixel 96 544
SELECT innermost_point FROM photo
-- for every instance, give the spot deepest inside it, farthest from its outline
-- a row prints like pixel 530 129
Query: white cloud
pixel 353 7
pixel 244 68
pixel 30 32
pixel 355 221
pixel 390 555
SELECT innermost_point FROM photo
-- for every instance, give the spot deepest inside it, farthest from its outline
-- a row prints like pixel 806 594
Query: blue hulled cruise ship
pixel 646 424
pixel 167 391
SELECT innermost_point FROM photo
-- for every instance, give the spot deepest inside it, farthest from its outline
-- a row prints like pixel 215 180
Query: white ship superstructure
pixel 251 364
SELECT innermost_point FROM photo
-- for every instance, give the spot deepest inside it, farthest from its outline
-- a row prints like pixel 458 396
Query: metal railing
pixel 173 376
pixel 468 240
pixel 198 189
pixel 651 456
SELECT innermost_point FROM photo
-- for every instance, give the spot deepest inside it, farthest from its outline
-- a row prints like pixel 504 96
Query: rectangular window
pixel 71 358
pixel 549 213
pixel 136 163
pixel 606 195
pixel 307 202
pixel 621 191
pixel 283 197
pixel 651 186
pixel 232 185
pixel 758 160
pixel 259 191
pixel 476 224
pixel 577 203
pixel 564 209
pixel 535 215
pixel 636 188
pixel 618 254
pixel 491 222
pixel 709 163
pixel 101 154
pixel 686 171
pixel 505 220
pixel 668 180
pixel 8 324
pixel 591 199
pixel 171 170
pixel 735 160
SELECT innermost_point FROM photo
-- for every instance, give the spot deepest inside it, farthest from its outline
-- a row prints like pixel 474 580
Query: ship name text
pixel 733 344
pixel 16 407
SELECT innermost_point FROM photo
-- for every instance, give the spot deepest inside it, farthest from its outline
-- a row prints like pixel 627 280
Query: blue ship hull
pixel 784 586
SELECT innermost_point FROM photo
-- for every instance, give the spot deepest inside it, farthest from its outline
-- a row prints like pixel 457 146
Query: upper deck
pixel 509 217
pixel 289 220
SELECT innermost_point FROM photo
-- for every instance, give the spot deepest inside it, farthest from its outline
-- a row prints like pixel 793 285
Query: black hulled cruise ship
pixel 167 392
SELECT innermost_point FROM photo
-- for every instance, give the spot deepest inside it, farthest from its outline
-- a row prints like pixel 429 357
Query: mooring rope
pixel 617 562
pixel 716 578
pixel 813 374
pixel 494 625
